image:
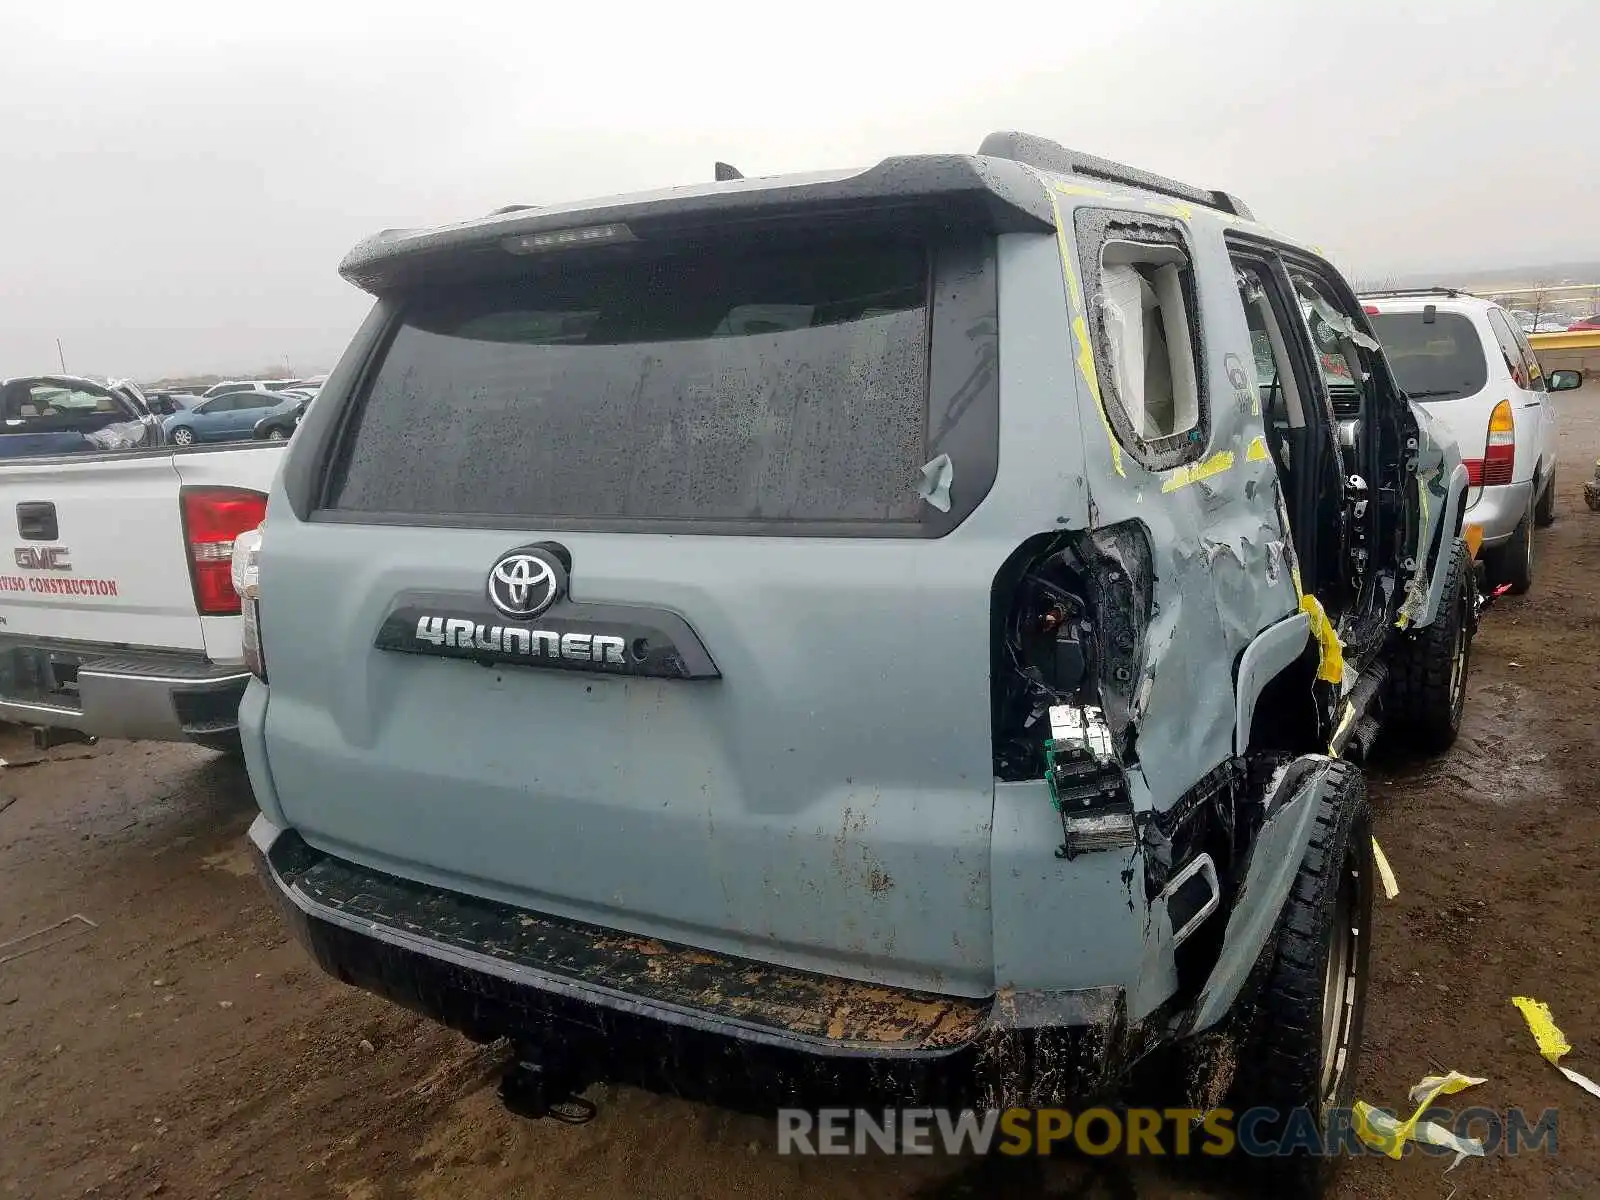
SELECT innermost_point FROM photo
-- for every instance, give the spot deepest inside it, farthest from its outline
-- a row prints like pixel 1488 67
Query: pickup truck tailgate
pixel 95 552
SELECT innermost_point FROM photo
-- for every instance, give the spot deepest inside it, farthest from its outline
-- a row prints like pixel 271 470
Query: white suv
pixel 1469 362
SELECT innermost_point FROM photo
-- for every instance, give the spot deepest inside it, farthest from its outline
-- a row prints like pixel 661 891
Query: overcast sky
pixel 181 179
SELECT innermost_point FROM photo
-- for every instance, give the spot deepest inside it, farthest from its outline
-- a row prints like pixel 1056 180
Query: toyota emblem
pixel 525 582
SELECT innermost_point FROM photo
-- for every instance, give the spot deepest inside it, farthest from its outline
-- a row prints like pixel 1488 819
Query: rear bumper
pixel 1499 510
pixel 108 692
pixel 671 1018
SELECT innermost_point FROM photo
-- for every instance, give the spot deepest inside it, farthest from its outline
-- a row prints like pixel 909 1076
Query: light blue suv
pixel 871 634
pixel 229 417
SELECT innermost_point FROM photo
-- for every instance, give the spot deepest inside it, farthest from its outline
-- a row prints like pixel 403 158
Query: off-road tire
pixel 1513 562
pixel 1544 513
pixel 1283 1058
pixel 1427 695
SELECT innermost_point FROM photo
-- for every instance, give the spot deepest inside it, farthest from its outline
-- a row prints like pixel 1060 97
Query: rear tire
pixel 182 437
pixel 1428 677
pixel 1513 562
pixel 1544 513
pixel 1301 1047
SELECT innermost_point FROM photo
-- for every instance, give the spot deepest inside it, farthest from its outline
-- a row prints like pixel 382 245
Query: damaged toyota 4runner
pixel 904 631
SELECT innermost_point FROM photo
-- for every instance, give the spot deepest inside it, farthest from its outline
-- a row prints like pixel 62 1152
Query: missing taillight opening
pixel 212 518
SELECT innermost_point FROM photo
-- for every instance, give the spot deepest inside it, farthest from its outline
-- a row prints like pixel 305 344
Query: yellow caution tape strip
pixel 1551 1041
pixel 1219 462
pixel 1331 668
pixel 1391 887
pixel 1080 331
pixel 1390 1134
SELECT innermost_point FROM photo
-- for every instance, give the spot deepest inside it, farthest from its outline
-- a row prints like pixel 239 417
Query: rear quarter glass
pixel 788 387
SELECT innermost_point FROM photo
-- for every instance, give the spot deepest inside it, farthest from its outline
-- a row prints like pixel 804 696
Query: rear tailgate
pixel 753 716
pixel 1443 360
pixel 96 552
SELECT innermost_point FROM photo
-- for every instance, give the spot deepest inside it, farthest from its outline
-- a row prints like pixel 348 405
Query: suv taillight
pixel 212 518
pixel 1500 450
pixel 247 583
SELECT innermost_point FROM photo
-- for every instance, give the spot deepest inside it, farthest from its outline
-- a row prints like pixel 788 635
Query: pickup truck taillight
pixel 212 518
pixel 1499 452
pixel 247 583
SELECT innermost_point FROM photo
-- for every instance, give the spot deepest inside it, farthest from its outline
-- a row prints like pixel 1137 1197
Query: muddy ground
pixel 182 1046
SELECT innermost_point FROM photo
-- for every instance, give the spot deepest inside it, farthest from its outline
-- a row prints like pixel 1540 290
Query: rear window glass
pixel 1433 361
pixel 779 384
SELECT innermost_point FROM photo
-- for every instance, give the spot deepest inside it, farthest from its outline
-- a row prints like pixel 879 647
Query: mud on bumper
pixel 730 1031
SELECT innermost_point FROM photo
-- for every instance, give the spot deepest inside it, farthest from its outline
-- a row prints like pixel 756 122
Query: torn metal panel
pixel 1210 553
pixel 1271 653
pixel 1291 807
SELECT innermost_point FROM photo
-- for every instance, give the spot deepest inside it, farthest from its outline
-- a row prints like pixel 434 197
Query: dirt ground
pixel 183 1046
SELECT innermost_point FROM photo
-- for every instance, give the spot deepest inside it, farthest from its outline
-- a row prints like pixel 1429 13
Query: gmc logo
pixel 43 558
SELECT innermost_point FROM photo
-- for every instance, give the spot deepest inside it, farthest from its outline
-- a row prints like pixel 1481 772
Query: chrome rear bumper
pixel 114 693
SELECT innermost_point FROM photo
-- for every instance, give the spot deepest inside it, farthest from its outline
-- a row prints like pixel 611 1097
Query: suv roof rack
pixel 1047 155
pixel 1427 291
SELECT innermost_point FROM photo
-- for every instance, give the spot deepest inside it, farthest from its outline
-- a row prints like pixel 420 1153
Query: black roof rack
pixel 1427 291
pixel 1046 155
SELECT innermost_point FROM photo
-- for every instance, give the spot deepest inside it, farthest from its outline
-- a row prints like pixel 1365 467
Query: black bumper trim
pixel 447 957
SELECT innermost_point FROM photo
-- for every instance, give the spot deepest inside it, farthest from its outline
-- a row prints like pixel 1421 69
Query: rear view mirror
pixel 1564 381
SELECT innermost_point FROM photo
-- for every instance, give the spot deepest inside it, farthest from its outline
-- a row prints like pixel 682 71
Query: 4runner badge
pixel 525 582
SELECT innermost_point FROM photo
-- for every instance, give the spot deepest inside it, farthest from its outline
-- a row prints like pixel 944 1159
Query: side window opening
pixel 1281 402
pixel 1145 335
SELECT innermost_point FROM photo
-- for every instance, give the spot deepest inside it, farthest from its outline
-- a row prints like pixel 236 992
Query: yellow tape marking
pixel 1391 887
pixel 1383 1132
pixel 1345 722
pixel 1552 1042
pixel 1080 330
pixel 1077 189
pixel 1331 668
pixel 1195 472
pixel 1257 451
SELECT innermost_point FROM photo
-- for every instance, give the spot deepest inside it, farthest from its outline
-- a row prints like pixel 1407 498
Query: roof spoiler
pixel 940 190
pixel 1046 155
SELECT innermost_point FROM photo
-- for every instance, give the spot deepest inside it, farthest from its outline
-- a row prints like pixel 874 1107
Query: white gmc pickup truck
pixel 118 616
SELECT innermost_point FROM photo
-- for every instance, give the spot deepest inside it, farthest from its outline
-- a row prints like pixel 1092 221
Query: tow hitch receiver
pixel 534 1087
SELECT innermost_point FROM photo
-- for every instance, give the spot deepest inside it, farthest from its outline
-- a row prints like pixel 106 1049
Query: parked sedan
pixel 230 417
pixel 281 422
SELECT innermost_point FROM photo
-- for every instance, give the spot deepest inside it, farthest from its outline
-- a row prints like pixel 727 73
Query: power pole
pixel 61 357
